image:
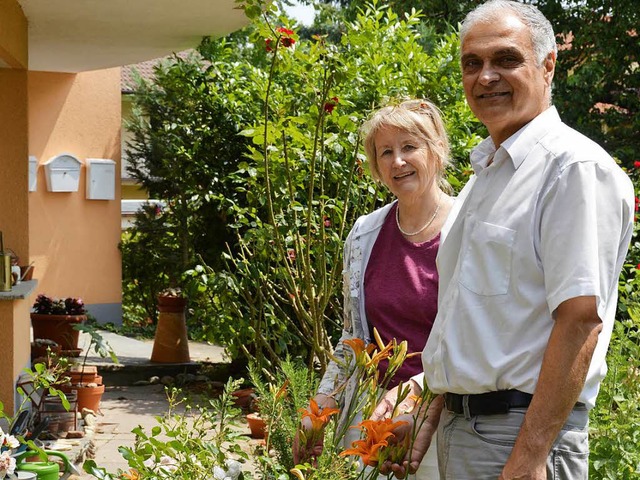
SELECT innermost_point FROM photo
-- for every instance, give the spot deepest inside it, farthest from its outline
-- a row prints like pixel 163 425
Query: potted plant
pixel 84 380
pixel 54 319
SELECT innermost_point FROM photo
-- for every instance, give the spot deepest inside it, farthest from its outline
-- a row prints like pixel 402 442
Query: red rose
pixel 284 31
pixel 287 40
pixel 636 164
pixel 330 105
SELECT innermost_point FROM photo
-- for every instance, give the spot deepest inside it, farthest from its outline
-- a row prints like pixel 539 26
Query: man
pixel 528 269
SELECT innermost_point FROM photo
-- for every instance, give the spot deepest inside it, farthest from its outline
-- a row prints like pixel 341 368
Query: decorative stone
pixel 141 383
pixel 90 420
pixel 87 411
pixel 75 434
pixel 167 380
pixel 154 380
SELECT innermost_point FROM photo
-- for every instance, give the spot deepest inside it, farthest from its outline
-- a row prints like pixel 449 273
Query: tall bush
pixel 304 177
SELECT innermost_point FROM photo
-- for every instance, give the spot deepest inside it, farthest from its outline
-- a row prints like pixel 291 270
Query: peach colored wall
pixel 13 34
pixel 14 216
pixel 74 241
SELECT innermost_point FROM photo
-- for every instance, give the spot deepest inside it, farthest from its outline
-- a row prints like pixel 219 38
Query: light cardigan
pixel 357 250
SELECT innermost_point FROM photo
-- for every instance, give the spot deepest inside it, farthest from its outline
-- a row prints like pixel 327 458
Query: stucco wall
pixel 14 221
pixel 14 314
pixel 74 241
pixel 13 35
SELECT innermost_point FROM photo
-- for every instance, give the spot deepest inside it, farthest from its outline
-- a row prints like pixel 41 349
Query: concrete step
pixel 134 360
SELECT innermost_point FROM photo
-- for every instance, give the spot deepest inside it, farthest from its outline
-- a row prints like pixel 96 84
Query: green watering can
pixel 44 470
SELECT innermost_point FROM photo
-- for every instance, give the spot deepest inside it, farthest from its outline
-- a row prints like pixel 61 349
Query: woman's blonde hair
pixel 420 118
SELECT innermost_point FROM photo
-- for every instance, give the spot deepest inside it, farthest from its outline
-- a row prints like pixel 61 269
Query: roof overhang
pixel 75 36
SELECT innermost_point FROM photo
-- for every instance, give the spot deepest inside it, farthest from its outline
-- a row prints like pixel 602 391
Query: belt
pixel 490 403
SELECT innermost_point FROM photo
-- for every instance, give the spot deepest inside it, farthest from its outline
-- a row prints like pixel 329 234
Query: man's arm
pixel 562 375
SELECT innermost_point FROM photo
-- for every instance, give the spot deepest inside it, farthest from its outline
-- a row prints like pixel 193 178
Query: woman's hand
pixel 307 444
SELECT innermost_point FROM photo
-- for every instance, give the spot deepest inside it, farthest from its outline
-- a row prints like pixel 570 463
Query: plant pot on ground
pixel 84 380
pixel 55 318
pixel 171 343
pixel 43 348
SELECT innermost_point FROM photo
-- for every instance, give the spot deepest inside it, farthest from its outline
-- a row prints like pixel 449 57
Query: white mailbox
pixel 33 173
pixel 101 179
pixel 62 173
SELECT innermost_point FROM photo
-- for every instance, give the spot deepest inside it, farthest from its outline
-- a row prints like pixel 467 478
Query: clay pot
pixel 257 425
pixel 89 396
pixel 244 398
pixel 170 344
pixel 58 328
pixel 87 374
pixel 43 351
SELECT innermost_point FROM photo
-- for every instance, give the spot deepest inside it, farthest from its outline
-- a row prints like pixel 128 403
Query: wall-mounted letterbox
pixel 33 173
pixel 62 173
pixel 101 179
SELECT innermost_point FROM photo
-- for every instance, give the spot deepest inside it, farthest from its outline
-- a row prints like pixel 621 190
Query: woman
pixel 390 276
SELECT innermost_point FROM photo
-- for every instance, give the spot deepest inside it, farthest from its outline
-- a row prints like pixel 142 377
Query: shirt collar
pixel 518 145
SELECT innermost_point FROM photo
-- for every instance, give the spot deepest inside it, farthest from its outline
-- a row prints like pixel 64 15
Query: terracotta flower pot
pixel 171 344
pixel 88 396
pixel 58 328
pixel 257 425
pixel 244 397
pixel 42 351
pixel 87 374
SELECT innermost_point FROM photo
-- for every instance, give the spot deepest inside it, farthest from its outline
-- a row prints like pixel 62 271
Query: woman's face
pixel 404 163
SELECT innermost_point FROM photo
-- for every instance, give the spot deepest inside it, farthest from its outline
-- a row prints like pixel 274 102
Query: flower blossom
pixel 8 441
pixel 165 465
pixel 286 36
pixel 133 474
pixel 636 164
pixel 362 352
pixel 7 464
pixel 374 448
pixel 319 416
pixel 330 104
pixel 234 469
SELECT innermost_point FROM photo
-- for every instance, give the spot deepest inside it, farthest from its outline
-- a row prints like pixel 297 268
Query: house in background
pixel 60 110
pixel 134 196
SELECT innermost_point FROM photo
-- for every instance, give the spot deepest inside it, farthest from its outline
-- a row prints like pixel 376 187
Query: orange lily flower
pixel 319 417
pixel 381 355
pixel 362 352
pixel 132 475
pixel 371 448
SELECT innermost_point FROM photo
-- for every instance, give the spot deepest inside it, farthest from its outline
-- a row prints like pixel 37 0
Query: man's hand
pixel 385 408
pixel 424 425
pixel 538 472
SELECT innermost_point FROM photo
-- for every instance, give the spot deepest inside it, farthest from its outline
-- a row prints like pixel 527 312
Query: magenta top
pixel 401 293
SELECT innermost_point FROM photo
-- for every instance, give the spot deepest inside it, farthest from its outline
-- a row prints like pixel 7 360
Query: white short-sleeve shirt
pixel 549 219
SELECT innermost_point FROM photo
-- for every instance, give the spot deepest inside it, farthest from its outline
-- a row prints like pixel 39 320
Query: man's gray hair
pixel 542 36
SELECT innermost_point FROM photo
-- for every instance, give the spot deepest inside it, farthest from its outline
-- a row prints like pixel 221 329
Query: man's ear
pixel 549 66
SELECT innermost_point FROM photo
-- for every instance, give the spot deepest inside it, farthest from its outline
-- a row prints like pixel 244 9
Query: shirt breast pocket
pixel 486 265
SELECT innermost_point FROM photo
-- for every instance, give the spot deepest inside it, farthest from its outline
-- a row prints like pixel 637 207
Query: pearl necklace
pixel 426 225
